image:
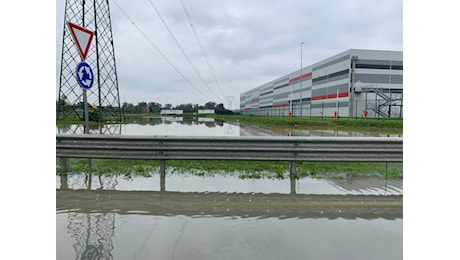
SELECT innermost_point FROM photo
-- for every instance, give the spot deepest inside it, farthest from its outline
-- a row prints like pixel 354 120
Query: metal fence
pixel 255 148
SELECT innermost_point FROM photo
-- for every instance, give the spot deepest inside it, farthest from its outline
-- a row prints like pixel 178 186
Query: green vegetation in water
pixel 355 169
pixel 128 168
pixel 244 169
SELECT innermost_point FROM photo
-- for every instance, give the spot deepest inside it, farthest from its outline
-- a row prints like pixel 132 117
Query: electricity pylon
pixel 103 98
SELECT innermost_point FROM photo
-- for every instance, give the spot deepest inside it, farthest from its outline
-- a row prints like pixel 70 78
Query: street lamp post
pixel 301 44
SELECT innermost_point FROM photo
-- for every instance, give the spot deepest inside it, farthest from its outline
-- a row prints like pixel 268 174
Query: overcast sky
pixel 245 43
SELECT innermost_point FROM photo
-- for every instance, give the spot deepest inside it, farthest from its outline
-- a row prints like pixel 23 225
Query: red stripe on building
pixel 330 96
pixel 281 105
pixel 304 76
pixel 343 94
pixel 255 100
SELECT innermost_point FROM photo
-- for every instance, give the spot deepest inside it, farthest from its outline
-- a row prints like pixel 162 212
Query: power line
pixel 159 51
pixel 201 47
pixel 182 50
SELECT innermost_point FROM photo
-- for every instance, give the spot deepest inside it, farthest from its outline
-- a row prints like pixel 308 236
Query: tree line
pixel 154 107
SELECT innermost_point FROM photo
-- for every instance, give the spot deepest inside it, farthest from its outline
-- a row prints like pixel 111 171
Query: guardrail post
pixel 293 168
pixel 63 164
pixel 162 167
pixel 64 184
pixel 89 177
pixel 162 175
pixel 293 184
pixel 162 182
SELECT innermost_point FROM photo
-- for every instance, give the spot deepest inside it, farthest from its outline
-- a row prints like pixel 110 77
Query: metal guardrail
pixel 256 148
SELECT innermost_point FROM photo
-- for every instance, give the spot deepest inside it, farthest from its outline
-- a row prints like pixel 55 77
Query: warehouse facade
pixel 354 83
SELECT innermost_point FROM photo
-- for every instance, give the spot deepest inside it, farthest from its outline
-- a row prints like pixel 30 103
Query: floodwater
pixel 184 216
pixel 192 126
pixel 221 216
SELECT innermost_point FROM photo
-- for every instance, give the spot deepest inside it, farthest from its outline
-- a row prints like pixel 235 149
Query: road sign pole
pixel 85 107
pixel 86 130
pixel 84 73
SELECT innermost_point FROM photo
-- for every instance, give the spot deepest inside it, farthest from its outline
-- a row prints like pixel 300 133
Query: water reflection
pixel 198 126
pixel 215 204
pixel 231 183
pixel 93 234
pixel 134 236
pixel 107 129
pixel 218 202
pixel 111 217
pixel 173 126
pixel 248 130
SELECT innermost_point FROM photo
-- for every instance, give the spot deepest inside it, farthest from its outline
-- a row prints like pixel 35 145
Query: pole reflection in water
pixel 93 233
pixel 107 223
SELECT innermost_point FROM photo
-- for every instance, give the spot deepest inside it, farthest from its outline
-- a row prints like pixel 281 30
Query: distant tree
pixel 210 105
pixel 220 110
pixel 142 107
pixel 154 107
pixel 188 108
pixel 127 107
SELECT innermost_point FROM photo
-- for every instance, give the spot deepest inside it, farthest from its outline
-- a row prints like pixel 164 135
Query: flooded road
pixel 220 215
pixel 225 217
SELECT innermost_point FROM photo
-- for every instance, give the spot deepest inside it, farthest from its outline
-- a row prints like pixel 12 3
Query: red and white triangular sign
pixel 82 38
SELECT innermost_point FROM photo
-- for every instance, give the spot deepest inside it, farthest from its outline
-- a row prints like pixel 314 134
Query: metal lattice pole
pixel 104 95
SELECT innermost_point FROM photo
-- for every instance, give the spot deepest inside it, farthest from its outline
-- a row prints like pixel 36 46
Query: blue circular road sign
pixel 85 75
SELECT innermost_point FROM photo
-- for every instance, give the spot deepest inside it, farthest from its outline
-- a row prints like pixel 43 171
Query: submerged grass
pixel 379 125
pixel 244 169
pixel 110 167
pixel 337 169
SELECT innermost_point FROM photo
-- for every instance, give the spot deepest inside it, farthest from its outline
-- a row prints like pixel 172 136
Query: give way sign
pixel 82 38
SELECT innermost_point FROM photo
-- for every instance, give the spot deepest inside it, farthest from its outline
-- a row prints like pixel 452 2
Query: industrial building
pixel 354 83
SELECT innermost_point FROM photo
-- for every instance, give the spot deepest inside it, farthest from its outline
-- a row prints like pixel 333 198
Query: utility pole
pixel 229 100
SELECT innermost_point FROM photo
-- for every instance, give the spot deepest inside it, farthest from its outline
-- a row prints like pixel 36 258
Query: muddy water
pixel 183 216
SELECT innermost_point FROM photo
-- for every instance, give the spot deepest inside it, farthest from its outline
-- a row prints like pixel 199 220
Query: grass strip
pixel 244 169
